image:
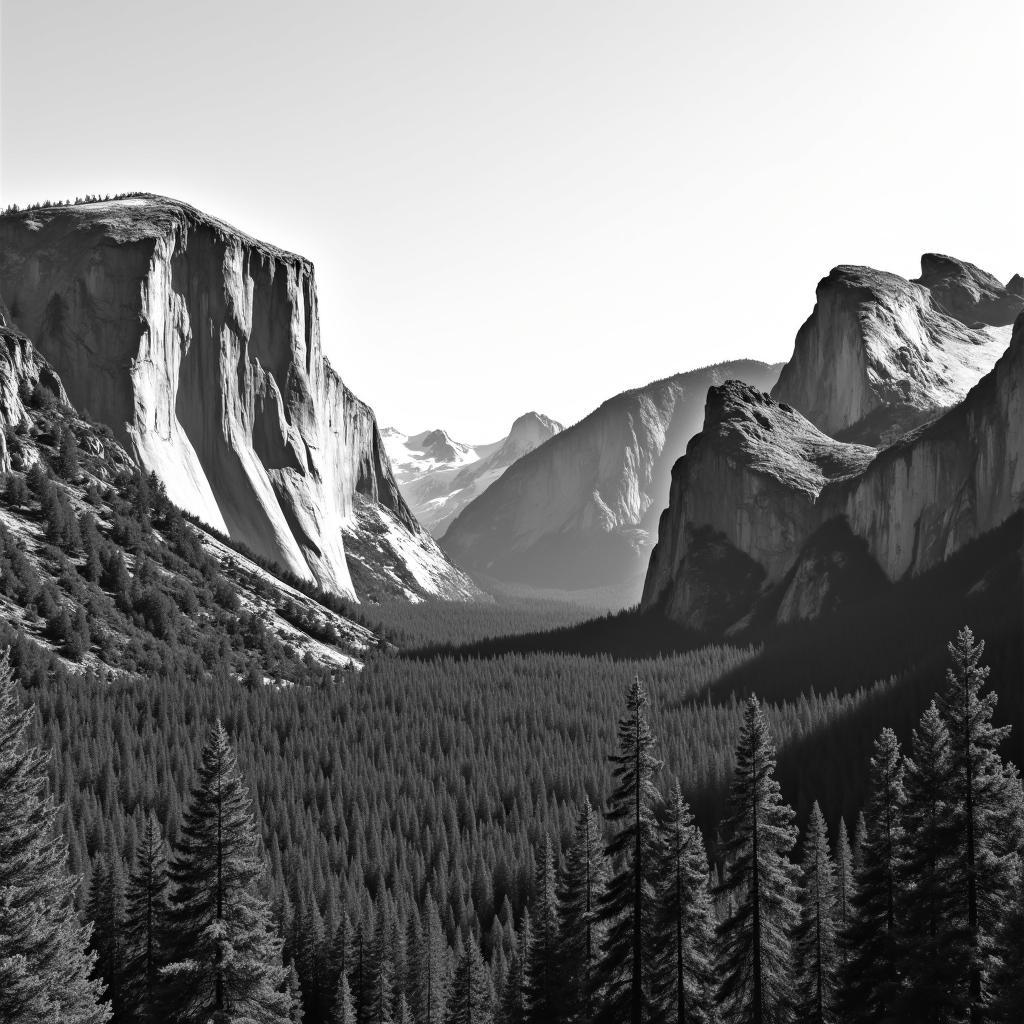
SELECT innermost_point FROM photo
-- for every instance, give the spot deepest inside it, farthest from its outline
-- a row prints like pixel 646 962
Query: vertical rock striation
pixel 199 346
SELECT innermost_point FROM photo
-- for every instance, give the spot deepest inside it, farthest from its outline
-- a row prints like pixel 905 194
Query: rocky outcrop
pixel 23 372
pixel 199 346
pixel 439 477
pixel 880 355
pixel 770 517
pixel 580 511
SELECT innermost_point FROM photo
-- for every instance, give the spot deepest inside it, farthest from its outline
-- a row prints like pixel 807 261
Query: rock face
pixel 579 511
pixel 771 518
pixel 439 477
pixel 200 348
pixel 880 355
pixel 22 370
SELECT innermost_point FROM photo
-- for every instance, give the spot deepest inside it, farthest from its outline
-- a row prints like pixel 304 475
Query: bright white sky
pixel 534 204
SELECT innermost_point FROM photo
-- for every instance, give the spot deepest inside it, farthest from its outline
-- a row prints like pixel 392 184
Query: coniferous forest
pixel 311 879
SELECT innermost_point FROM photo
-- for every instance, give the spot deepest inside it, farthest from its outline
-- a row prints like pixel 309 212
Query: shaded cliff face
pixel 439 477
pixel 200 347
pixel 579 511
pixel 880 355
pixel 802 520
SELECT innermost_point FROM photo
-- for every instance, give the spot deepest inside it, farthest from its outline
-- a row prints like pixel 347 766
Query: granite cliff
pixel 880 355
pixel 579 512
pixel 772 520
pixel 200 347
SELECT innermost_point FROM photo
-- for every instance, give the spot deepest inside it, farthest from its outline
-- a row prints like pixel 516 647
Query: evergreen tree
pixel 986 801
pixel 67 455
pixel 105 908
pixel 581 887
pixel 686 919
pixel 470 999
pixel 293 988
pixel 512 1009
pixel 629 906
pixel 844 886
pixel 871 985
pixel 146 934
pixel 932 961
pixel 756 977
pixel 431 985
pixel 814 943
pixel 343 1011
pixel 44 966
pixel 542 979
pixel 226 958
pixel 360 975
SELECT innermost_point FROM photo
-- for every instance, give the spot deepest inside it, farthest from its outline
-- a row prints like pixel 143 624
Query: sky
pixel 536 204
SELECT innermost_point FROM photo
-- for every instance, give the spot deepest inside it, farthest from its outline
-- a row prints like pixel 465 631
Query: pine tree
pixel 431 986
pixel 343 1011
pixel 814 944
pixel 105 908
pixel 512 1009
pixel 67 455
pixel 844 885
pixel 542 979
pixel 581 887
pixel 226 958
pixel 932 959
pixel 686 919
pixel 470 999
pixel 360 974
pixel 44 963
pixel 293 987
pixel 871 982
pixel 756 977
pixel 986 800
pixel 629 906
pixel 146 927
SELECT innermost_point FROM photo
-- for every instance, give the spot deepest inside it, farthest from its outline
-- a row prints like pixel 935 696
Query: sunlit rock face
pixel 880 355
pixel 768 515
pixel 581 510
pixel 200 347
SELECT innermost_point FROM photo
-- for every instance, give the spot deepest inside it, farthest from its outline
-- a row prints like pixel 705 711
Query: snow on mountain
pixel 439 477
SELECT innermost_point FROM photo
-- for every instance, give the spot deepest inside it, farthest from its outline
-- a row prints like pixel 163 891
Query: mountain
pixel 771 520
pixel 579 511
pixel 439 477
pixel 99 570
pixel 880 355
pixel 200 348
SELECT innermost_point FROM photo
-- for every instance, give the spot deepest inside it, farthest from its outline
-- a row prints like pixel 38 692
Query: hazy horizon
pixel 537 206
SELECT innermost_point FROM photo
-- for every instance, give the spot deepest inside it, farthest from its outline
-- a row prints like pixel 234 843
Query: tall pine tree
pixel 986 800
pixel 629 906
pixel 470 1000
pixel 814 943
pixel 44 964
pixel 225 962
pixel 932 959
pixel 146 933
pixel 542 980
pixel 685 921
pixel 581 887
pixel 756 977
pixel 871 988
